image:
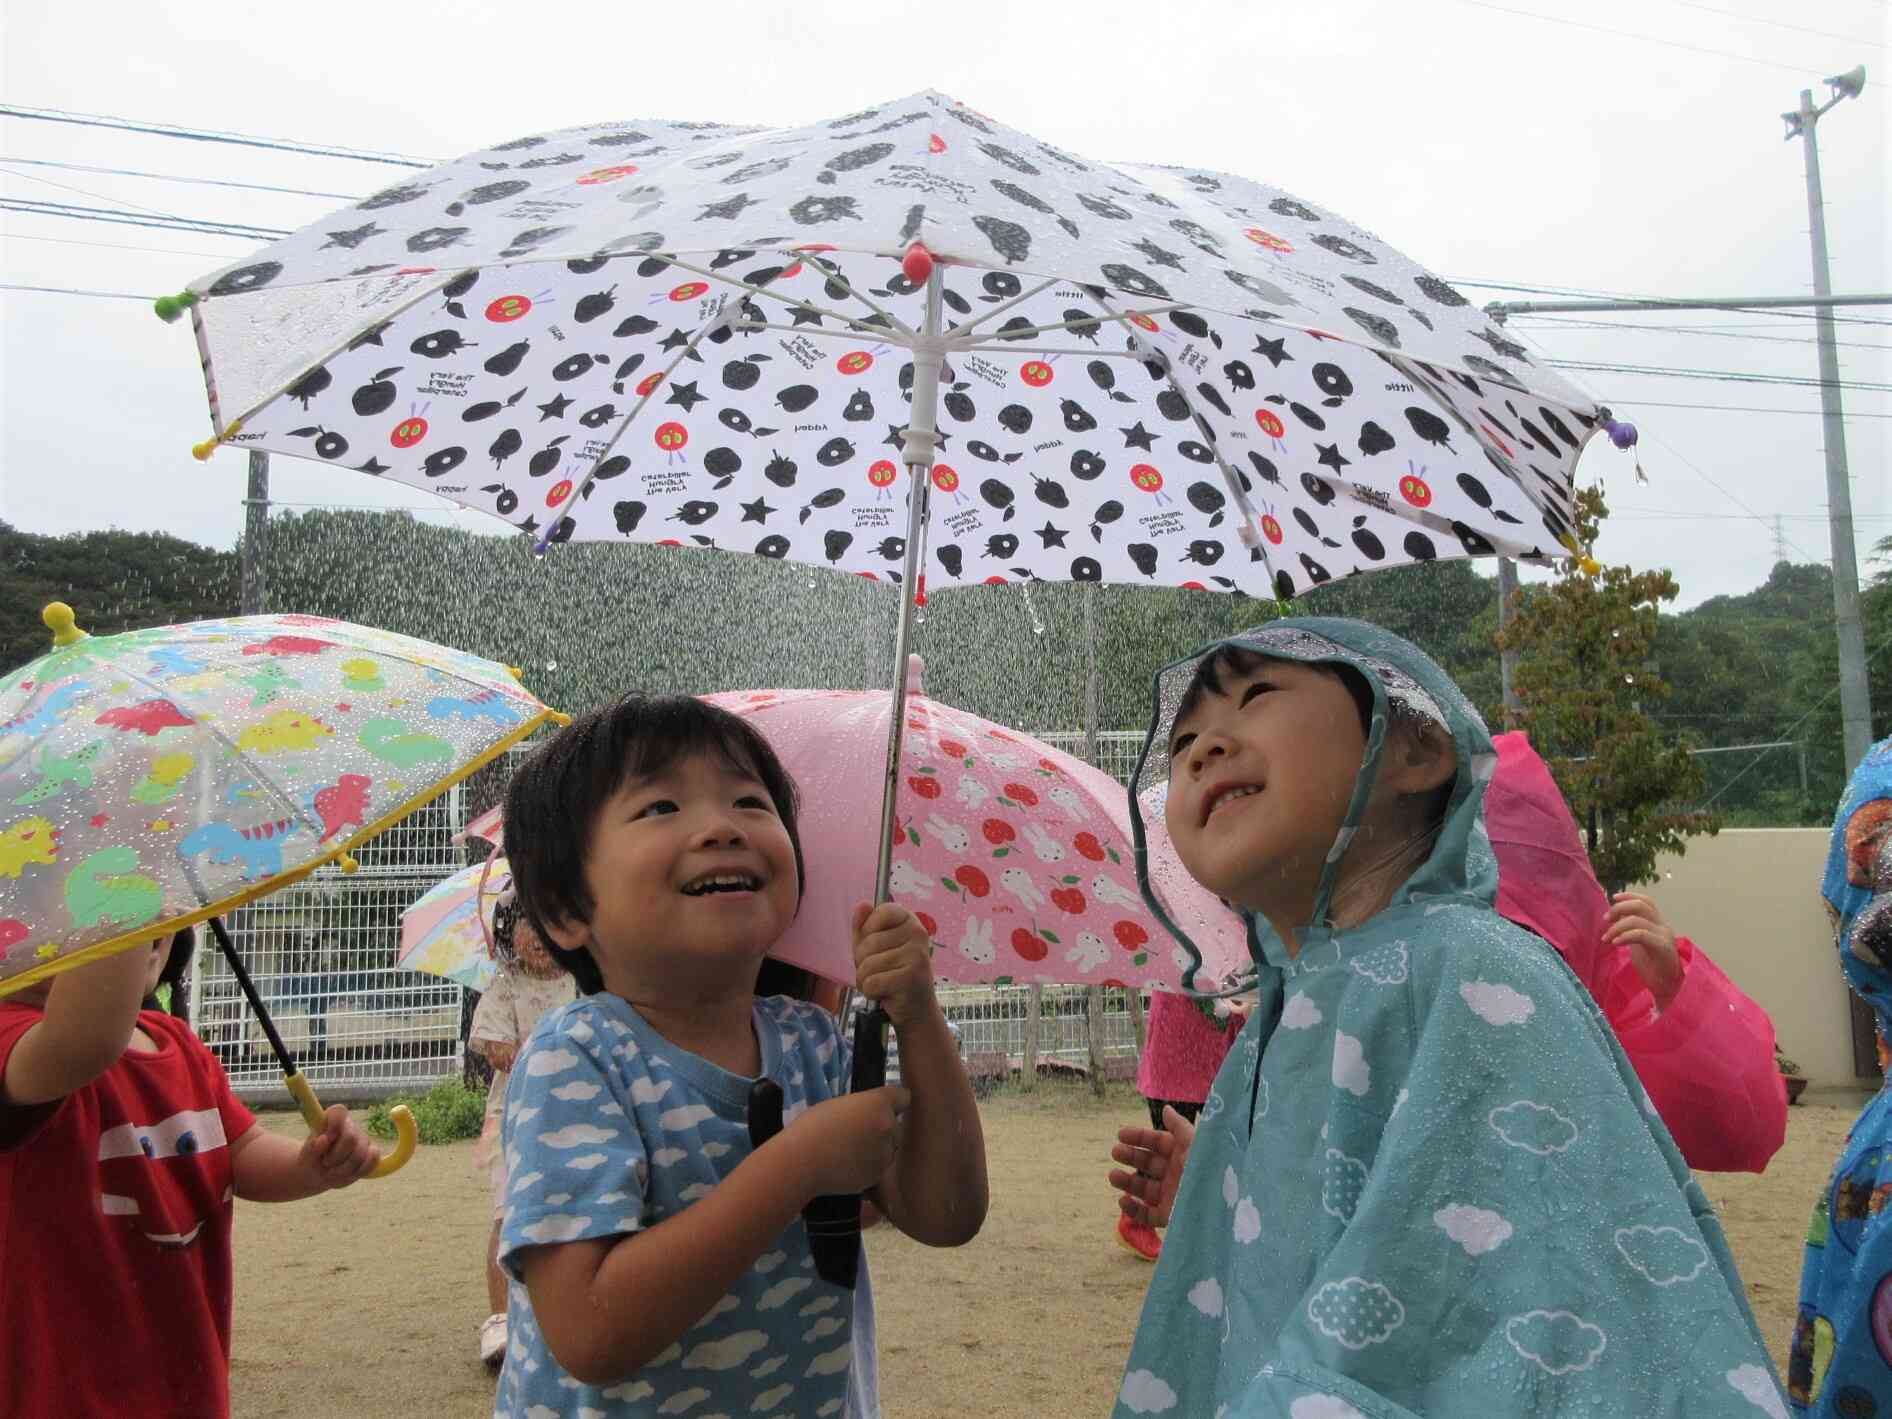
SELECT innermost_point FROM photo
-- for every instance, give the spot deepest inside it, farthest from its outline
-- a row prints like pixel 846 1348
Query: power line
pixel 1578 293
pixel 69 291
pixel 201 135
pixel 1721 332
pixel 1640 38
pixel 1719 376
pixel 34 207
pixel 173 177
pixel 115 246
pixel 1738 408
pixel 1777 24
pixel 95 196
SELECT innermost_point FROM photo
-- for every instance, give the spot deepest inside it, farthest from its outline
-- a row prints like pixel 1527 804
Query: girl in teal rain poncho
pixel 1426 1181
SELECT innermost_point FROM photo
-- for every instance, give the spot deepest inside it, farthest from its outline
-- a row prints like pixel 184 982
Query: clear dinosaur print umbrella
pixel 161 777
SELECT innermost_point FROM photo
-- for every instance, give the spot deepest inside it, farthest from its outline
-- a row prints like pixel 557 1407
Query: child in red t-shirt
pixel 121 1146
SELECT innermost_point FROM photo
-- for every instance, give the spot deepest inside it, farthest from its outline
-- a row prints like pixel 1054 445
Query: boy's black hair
pixel 176 966
pixel 554 799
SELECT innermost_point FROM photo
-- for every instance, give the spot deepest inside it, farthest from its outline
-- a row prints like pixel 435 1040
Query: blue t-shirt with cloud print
pixel 610 1128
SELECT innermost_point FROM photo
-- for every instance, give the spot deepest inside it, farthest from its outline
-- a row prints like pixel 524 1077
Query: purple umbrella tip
pixel 1623 435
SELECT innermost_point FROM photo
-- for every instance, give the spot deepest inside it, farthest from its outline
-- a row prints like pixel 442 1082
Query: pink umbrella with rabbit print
pixel 1014 855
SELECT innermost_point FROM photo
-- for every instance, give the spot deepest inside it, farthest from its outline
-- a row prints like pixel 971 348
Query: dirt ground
pixel 364 1303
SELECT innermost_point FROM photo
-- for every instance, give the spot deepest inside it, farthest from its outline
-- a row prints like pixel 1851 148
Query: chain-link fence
pixel 322 956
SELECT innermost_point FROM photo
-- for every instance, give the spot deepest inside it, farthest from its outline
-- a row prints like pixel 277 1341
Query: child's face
pixel 529 948
pixel 1260 778
pixel 693 877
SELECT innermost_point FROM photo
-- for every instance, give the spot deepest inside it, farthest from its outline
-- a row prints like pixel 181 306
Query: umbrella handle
pixel 406 1133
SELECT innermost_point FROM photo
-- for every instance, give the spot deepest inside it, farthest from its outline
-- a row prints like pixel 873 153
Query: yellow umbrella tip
pixel 62 623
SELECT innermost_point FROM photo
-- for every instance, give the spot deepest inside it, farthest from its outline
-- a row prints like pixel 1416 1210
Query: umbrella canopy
pixel 1015 855
pixel 157 778
pixel 733 338
pixel 449 930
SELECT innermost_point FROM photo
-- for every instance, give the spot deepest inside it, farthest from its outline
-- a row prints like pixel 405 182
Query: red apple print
pixel 945 478
pixel 648 383
pixel 1129 935
pixel 1001 735
pixel 995 581
pixel 1029 945
pixel 1112 983
pixel 1144 322
pixel 1268 239
pixel 932 927
pixel 924 785
pixel 882 474
pixel 1021 793
pixel 561 490
pixel 1271 529
pixel 997 831
pixel 672 436
pixel 508 308
pixel 1415 490
pixel 689 290
pixel 1146 478
pixel 953 747
pixel 99 820
pixel 1036 373
pixel 935 144
pixel 598 176
pixel 854 362
pixel 408 432
pixel 1088 846
pixel 1068 899
pixel 1270 425
pixel 1049 767
pixel 972 879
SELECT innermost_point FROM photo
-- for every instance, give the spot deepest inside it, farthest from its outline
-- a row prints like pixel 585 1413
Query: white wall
pixel 1750 897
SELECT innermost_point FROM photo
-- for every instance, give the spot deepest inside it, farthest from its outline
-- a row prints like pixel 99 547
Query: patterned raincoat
pixel 1426 1181
pixel 1841 1363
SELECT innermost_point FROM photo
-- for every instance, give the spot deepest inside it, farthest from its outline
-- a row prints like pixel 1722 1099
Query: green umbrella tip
pixel 62 623
pixel 169 308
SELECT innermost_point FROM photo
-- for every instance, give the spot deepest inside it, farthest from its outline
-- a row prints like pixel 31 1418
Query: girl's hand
pixel 499 1053
pixel 893 961
pixel 1156 1159
pixel 849 1143
pixel 341 1153
pixel 1635 921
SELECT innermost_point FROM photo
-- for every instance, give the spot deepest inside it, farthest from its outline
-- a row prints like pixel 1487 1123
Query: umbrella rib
pixel 1246 528
pixel 578 489
pixel 996 310
pixel 887 315
pixel 755 290
pixel 229 430
pixel 999 342
pixel 852 334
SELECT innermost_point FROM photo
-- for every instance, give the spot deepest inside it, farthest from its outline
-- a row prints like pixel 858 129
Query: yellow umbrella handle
pixel 406 1132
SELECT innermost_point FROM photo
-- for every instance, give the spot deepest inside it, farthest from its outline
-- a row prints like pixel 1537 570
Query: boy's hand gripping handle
pixel 834 1219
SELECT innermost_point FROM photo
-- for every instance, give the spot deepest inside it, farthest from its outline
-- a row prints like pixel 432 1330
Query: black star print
pixel 554 408
pixel 1157 254
pixel 373 465
pixel 686 395
pixel 894 439
pixel 676 339
pixel 1052 536
pixel 353 237
pixel 530 525
pixel 1275 350
pixel 757 511
pixel 805 315
pixel 1330 456
pixel 728 209
pixel 1136 436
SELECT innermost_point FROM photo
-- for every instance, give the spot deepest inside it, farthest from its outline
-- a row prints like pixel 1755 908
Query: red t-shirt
pixel 115 1256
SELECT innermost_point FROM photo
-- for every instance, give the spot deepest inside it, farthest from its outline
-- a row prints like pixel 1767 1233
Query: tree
pixel 1585 672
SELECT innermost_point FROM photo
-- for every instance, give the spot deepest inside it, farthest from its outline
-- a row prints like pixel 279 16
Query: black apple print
pixel 1203 553
pixel 598 417
pixel 612 467
pixel 822 501
pixel 1000 285
pixel 1378 326
pixel 585 265
pixel 1238 375
pixel 1106 514
pixel 1370 546
pixel 1419 547
pixel 774 546
pixel 797 397
pixel 1474 490
pixel 1195 452
pixel 693 513
pixel 546 459
pixel 1002 545
pixel 310 385
pixel 1307 416
pixel 1171 405
pixel 1340 246
pixel 633 325
pixel 1333 382
pixel 834 453
pixel 1319 489
pixel 722 462
pixel 1086 569
pixel 892 548
pixel 1208 500
pixel 1086 465
pixel 250 278
pixel 1015 419
pixel 569 369
pixel 1472 541
pixel 376 396
pixel 505 502
pixel 741 374
pixel 1437 290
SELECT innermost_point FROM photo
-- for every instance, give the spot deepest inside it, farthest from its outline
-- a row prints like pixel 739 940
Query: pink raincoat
pixel 1708 1060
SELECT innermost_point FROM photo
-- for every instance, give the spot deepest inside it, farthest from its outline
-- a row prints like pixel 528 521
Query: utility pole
pixel 253 591
pixel 1508 658
pixel 1855 704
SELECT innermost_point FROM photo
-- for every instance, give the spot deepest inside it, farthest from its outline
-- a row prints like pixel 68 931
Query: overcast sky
pixel 1633 147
